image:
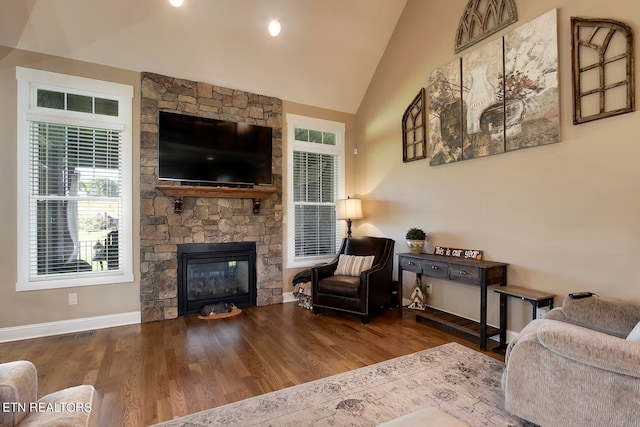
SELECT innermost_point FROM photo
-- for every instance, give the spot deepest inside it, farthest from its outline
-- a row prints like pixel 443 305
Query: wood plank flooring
pixel 161 370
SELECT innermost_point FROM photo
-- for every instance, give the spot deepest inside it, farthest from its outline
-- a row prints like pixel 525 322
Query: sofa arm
pixel 77 406
pixel 556 314
pixel 590 347
pixel 18 386
pixel 601 315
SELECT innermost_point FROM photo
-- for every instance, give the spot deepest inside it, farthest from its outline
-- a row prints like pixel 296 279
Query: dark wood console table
pixel 470 271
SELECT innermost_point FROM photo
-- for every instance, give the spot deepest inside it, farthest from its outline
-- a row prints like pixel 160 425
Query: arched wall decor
pixel 414 136
pixel 603 69
pixel 481 18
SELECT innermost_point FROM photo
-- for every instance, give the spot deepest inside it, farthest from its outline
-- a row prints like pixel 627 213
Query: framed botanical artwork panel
pixel 482 86
pixel 445 114
pixel 531 83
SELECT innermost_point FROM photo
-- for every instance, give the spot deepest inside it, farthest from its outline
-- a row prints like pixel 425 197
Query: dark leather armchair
pixel 363 294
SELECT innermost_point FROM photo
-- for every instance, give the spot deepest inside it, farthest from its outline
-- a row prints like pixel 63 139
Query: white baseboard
pixel 288 297
pixel 37 330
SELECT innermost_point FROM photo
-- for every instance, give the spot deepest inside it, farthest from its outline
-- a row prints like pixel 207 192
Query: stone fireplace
pixel 211 273
pixel 204 220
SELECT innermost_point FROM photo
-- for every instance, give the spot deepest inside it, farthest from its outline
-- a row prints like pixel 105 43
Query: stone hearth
pixel 203 220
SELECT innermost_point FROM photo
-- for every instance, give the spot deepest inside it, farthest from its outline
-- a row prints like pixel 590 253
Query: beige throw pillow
pixel 352 265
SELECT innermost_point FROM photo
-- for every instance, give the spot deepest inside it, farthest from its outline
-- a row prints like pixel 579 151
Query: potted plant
pixel 415 240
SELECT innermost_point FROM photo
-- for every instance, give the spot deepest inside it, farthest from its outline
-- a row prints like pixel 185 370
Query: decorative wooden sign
pixel 458 253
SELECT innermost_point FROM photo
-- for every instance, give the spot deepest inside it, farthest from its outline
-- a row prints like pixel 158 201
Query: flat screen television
pixel 203 151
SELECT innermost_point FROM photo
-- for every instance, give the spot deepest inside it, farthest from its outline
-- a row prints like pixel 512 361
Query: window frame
pixel 338 128
pixel 29 81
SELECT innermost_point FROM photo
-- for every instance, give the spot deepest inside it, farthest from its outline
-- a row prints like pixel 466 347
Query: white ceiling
pixel 325 55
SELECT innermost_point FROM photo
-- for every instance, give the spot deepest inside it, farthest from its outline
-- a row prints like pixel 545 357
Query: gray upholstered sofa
pixel 575 367
pixel 19 405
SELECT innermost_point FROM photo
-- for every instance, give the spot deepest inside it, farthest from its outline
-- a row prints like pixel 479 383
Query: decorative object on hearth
pixel 603 69
pixel 458 253
pixel 481 18
pixel 415 239
pixel 414 130
pixel 349 209
pixel 219 310
pixel 417 296
pixel 509 96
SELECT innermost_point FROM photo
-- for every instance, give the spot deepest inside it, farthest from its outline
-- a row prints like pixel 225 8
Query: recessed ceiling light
pixel 274 28
pixel 176 3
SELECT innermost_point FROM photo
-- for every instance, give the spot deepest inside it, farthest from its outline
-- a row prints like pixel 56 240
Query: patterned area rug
pixel 459 381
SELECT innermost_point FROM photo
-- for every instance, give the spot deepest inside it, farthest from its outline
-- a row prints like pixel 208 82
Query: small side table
pixel 536 298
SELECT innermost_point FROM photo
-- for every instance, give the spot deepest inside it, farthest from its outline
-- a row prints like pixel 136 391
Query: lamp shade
pixel 349 208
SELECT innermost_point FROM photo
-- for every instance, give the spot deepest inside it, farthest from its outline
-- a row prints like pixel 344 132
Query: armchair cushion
pixel 344 286
pixel 353 265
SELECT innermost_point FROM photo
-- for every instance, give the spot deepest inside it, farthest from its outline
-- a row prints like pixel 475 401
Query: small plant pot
pixel 416 246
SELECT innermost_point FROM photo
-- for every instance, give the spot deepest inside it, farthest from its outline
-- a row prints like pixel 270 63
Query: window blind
pixel 75 199
pixel 315 185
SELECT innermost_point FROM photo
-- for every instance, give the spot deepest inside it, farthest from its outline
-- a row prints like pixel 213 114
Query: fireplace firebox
pixel 209 273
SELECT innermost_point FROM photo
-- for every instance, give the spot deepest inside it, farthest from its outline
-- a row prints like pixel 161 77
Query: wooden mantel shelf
pixel 256 193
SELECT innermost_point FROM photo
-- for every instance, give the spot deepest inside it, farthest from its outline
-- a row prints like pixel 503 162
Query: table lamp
pixel 349 209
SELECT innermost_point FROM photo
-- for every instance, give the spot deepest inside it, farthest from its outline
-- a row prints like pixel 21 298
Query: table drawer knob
pixel 464 273
pixel 434 267
pixel 412 263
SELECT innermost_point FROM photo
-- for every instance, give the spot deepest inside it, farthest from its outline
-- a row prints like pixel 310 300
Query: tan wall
pixel 350 167
pixel 25 308
pixel 565 216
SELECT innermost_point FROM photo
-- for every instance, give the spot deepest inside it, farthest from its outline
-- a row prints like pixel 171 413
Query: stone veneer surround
pixel 203 220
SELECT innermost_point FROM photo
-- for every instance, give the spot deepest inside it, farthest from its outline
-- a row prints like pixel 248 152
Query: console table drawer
pixel 464 272
pixel 426 267
pixel 411 265
pixel 435 269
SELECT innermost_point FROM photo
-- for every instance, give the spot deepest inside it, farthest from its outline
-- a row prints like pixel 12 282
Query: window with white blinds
pixel 75 205
pixel 75 172
pixel 316 165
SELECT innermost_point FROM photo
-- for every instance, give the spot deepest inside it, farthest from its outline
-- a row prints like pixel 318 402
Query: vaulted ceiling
pixel 325 56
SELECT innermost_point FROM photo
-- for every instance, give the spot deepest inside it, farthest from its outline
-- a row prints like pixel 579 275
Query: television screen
pixel 203 151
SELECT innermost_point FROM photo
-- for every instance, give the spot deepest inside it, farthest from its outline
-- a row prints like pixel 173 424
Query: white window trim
pixel 296 121
pixel 28 81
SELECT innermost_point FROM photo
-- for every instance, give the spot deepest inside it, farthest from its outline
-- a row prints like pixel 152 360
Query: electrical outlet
pixel 428 288
pixel 73 299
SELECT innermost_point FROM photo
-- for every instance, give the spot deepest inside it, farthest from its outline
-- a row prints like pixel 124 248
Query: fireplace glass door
pixel 217 279
pixel 210 273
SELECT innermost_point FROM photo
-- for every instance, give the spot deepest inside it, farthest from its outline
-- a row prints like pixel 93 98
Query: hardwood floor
pixel 158 371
